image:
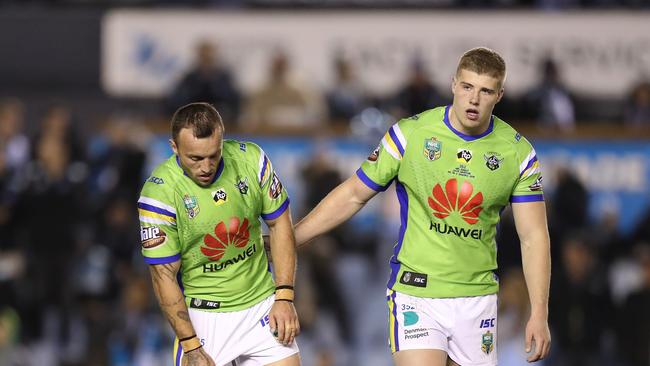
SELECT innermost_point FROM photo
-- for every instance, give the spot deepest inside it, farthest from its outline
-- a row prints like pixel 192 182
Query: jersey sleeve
pixel 275 199
pixel 529 184
pixel 382 166
pixel 158 230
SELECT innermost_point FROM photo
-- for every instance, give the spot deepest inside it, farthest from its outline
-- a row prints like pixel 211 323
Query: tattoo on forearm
pixel 183 315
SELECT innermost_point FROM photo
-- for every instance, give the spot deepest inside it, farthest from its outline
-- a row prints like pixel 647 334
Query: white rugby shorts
pixel 464 327
pixel 238 337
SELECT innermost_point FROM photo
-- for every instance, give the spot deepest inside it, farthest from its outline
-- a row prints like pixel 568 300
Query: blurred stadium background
pixel 87 88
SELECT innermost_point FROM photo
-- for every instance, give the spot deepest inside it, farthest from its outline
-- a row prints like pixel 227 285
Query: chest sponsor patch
pixel 464 156
pixel 152 237
pixel 219 196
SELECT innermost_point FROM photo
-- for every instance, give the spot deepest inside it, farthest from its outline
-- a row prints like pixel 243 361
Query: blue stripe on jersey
pixel 531 198
pixel 219 171
pixel 275 214
pixel 530 163
pixel 403 199
pixel 369 182
pixel 155 209
pixel 462 135
pixel 264 165
pixel 396 141
pixel 162 260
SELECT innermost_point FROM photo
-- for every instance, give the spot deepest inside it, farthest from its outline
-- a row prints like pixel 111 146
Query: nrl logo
pixel 432 148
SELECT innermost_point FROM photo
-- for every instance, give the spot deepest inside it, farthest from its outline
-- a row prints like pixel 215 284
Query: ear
pixel 453 84
pixel 172 144
pixel 500 95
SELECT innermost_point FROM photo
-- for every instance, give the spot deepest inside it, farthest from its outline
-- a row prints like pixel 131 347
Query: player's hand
pixel 538 338
pixel 283 320
pixel 197 357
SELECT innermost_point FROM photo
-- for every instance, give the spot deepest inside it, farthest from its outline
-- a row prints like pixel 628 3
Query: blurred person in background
pixel 455 168
pixel 51 198
pixel 208 81
pixel 419 94
pixel 283 102
pixel 637 110
pixel 634 317
pixel 347 97
pixel 321 177
pixel 581 304
pixel 549 103
pixel 199 216
pixel 569 207
pixel 13 142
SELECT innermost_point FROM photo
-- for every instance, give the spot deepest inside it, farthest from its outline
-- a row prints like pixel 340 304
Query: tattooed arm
pixel 172 304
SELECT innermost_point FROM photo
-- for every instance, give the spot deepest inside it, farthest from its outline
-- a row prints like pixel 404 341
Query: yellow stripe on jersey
pixel 155 218
pixel 390 146
pixel 533 169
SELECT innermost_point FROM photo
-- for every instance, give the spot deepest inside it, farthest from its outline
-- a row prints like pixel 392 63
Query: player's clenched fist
pixel 284 322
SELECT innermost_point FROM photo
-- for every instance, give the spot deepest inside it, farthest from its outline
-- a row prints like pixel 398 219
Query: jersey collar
pixel 462 135
pixel 216 176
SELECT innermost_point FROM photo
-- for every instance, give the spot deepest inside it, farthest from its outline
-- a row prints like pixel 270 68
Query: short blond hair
pixel 483 60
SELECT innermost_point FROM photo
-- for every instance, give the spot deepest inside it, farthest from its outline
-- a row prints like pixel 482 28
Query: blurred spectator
pixel 569 205
pixel 634 318
pixel 13 143
pixel 47 216
pixel 419 94
pixel 320 178
pixel 347 97
pixel 580 307
pixel 118 160
pixel 550 103
pixel 637 110
pixel 208 81
pixel 283 102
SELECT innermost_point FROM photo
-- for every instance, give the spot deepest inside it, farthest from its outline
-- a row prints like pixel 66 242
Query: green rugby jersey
pixel 215 231
pixel 451 188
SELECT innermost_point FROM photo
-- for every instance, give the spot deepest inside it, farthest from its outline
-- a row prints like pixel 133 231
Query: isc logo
pixel 487 323
pixel 419 280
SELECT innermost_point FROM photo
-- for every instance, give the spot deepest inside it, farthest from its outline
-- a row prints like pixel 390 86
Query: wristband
pixel 190 344
pixel 287 300
pixel 282 287
pixel 284 293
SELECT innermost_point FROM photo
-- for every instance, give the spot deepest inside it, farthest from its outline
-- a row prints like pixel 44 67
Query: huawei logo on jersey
pixel 237 233
pixel 453 199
